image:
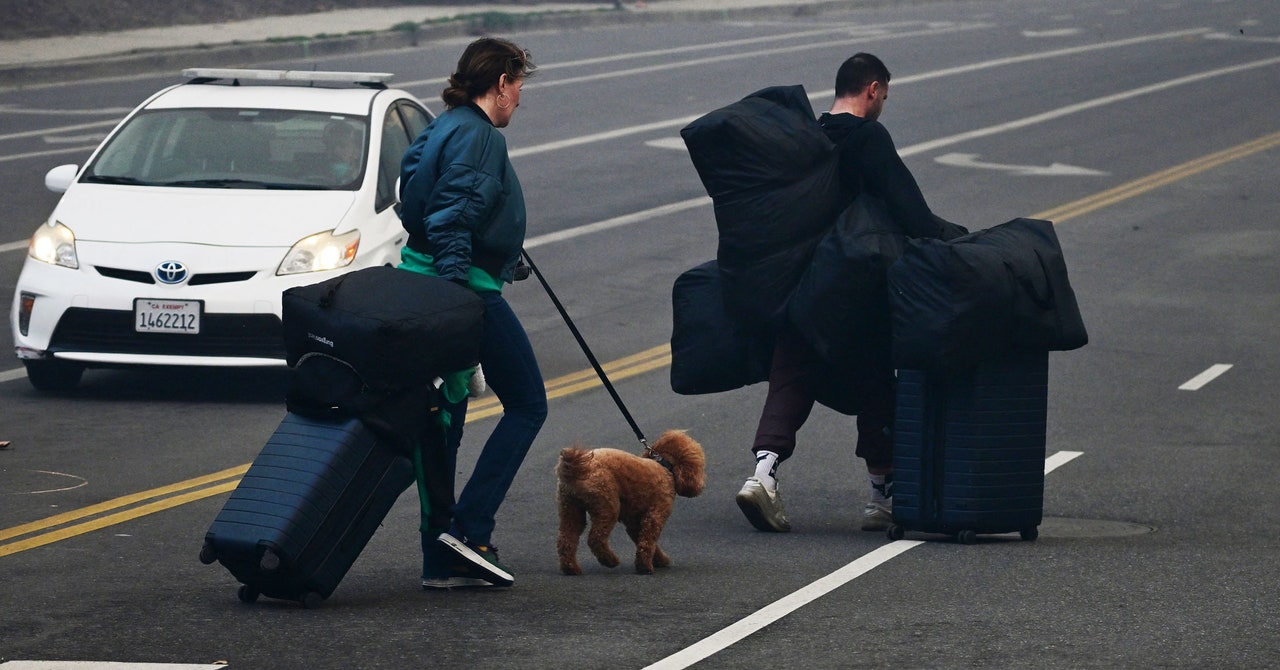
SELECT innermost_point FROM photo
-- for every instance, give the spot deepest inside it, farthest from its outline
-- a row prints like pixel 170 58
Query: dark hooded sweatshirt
pixel 869 163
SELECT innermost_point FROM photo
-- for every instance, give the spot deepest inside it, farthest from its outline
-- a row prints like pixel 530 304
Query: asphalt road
pixel 1160 542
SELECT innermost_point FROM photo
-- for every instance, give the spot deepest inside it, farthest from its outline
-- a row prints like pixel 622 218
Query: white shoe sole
pixel 454 583
pixel 500 577
pixel 754 509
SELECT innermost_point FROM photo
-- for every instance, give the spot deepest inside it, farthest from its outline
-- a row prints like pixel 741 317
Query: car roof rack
pixel 205 75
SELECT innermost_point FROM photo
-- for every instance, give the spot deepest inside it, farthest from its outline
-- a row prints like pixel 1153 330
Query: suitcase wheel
pixel 895 532
pixel 967 537
pixel 1030 534
pixel 208 554
pixel 247 595
pixel 310 600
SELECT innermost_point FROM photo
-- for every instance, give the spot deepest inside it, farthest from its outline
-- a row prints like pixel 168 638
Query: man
pixel 869 164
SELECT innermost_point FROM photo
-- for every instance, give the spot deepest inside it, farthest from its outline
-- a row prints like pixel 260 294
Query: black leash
pixel 590 356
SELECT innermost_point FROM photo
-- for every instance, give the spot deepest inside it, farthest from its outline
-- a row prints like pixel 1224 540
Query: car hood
pixel 207 216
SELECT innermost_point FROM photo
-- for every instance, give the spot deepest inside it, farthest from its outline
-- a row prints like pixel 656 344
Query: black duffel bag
pixel 977 297
pixel 773 176
pixel 325 388
pixel 710 352
pixel 398 329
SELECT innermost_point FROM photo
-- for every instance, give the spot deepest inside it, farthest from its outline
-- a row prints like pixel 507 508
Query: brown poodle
pixel 612 485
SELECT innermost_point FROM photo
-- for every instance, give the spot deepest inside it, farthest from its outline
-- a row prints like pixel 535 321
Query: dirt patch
pixel 59 18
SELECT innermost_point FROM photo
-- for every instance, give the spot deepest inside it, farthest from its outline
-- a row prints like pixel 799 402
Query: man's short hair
pixel 858 72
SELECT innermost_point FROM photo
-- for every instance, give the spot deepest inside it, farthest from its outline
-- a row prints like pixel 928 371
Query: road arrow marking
pixel 1055 170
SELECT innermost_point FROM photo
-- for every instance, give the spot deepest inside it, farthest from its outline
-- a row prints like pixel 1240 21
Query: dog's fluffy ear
pixel 690 463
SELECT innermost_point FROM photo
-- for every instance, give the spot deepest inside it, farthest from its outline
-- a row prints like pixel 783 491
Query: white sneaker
pixel 763 507
pixel 877 516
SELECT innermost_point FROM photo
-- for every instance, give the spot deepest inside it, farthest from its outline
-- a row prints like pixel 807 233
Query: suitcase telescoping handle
pixel 587 350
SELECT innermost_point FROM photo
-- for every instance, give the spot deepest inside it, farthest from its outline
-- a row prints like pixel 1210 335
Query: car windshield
pixel 235 148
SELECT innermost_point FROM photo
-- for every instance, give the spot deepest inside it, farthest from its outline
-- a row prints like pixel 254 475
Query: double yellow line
pixel 1139 186
pixel 126 508
pixel 63 526
pixel 635 364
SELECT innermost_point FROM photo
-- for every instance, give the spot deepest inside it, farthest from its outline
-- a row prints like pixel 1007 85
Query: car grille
pixel 111 331
pixel 196 280
pixel 127 275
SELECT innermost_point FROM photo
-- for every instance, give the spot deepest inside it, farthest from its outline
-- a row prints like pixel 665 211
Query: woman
pixel 464 211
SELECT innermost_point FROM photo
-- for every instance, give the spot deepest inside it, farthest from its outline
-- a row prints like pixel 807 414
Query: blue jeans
pixel 511 370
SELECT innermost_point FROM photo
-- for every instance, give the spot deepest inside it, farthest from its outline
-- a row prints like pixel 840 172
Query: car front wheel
pixel 53 376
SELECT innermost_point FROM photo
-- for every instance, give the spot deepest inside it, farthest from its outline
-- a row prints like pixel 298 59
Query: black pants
pixel 791 398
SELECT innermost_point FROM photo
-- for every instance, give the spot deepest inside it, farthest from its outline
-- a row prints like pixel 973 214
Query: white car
pixel 174 242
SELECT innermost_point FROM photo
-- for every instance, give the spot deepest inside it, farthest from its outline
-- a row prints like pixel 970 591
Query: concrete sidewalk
pixel 34 61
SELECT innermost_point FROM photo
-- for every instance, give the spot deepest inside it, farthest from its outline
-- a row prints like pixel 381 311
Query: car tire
pixel 53 376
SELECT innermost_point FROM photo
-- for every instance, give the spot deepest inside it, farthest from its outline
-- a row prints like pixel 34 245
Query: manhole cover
pixel 1063 527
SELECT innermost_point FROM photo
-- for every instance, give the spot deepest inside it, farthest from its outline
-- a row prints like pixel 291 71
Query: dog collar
pixel 662 461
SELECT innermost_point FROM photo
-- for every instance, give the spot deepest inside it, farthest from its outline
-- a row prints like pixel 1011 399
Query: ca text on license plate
pixel 151 315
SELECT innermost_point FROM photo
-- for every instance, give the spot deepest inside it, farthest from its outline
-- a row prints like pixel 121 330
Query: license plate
pixel 151 315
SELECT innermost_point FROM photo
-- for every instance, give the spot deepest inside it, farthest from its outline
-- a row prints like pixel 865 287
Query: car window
pixel 236 148
pixel 415 119
pixel 395 141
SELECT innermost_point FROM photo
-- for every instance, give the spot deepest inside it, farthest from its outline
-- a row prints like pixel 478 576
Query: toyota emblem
pixel 171 272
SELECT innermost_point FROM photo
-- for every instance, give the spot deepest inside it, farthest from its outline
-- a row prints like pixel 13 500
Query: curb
pixel 171 61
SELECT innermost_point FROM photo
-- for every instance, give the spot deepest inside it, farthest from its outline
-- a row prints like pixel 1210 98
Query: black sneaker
pixel 481 561
pixel 454 580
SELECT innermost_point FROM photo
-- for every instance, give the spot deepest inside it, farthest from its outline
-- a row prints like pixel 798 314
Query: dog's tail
pixel 574 464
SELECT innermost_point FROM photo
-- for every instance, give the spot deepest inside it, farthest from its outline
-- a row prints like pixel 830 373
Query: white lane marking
pixel 644 128
pixel 771 613
pixel 73 139
pixel 1085 106
pixel 86 150
pixel 1198 382
pixel 906 151
pixel 1057 32
pixel 822 95
pixel 14 246
pixel 59 129
pixel 1060 459
pixel 107 665
pixel 624 220
pixel 852 31
pixel 10 375
pixel 119 111
pixel 667 143
pixel 1055 170
pixel 741 629
pixel 1242 38
pixel 603 136
pixel 693 62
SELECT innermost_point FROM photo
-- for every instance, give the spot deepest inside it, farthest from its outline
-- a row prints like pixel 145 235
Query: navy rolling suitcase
pixel 968 451
pixel 305 509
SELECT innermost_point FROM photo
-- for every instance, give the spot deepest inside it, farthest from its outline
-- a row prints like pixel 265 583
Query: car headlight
pixel 322 251
pixel 55 244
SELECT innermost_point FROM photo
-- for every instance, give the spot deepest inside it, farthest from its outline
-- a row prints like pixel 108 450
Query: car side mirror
pixel 59 179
